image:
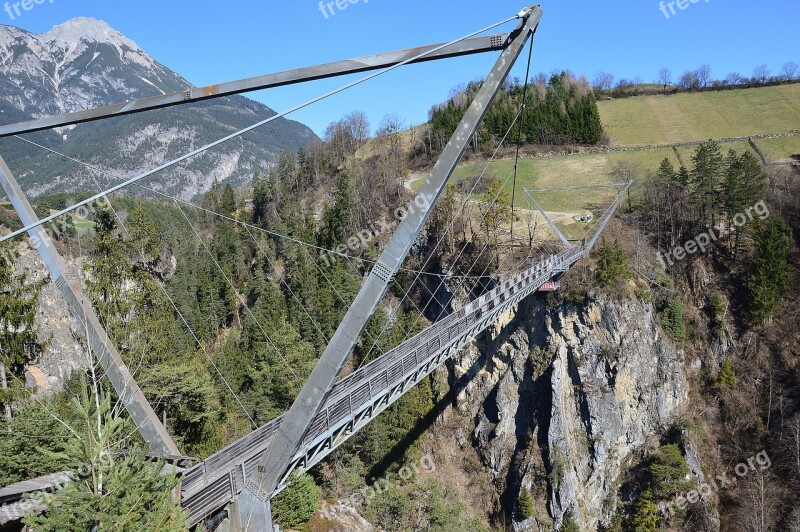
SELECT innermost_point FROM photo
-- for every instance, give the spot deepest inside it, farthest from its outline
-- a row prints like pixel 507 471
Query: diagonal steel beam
pixel 549 220
pixel 603 222
pixel 472 46
pixel 146 421
pixel 253 503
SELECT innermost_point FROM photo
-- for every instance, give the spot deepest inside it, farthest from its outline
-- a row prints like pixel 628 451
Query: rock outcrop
pixel 64 353
pixel 564 400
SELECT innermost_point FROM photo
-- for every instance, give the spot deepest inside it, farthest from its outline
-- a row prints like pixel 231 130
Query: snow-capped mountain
pixel 85 63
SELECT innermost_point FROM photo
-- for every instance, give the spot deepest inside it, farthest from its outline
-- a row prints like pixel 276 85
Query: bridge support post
pixel 276 464
pixel 251 512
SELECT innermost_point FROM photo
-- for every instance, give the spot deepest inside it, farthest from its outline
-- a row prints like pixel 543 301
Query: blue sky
pixel 213 41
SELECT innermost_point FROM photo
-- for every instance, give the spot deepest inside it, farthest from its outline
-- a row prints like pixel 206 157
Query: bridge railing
pixel 362 395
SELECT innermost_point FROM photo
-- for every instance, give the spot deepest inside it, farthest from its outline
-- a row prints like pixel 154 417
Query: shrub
pixel 612 264
pixel 295 505
pixel 525 503
pixel 726 377
pixel 673 321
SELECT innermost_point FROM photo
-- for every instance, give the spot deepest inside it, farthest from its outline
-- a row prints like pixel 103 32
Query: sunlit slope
pixel 702 116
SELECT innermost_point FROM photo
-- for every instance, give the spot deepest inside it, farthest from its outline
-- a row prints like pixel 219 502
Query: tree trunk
pixel 4 384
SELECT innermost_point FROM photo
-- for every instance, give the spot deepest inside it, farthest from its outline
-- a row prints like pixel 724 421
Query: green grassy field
pixel 554 172
pixel 651 120
pixel 82 225
pixel 739 147
pixel 701 116
pixel 781 149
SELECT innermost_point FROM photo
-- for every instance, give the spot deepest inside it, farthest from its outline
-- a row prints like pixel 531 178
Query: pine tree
pixel 19 337
pixel 338 218
pixel 754 179
pixel 19 459
pixel 262 197
pixel 683 177
pixel 666 171
pixel 612 264
pixel 734 200
pixel 769 281
pixel 294 506
pixel 227 202
pixel 108 271
pixel 706 179
pixel 525 504
pixel 668 473
pixel 143 241
pixel 645 516
pixel 734 191
pixel 673 321
pixel 111 489
pixel 727 376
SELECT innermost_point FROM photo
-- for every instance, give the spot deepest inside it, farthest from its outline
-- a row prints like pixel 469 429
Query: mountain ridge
pixel 85 63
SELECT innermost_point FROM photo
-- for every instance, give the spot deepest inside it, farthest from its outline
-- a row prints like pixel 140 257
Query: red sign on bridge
pixel 550 286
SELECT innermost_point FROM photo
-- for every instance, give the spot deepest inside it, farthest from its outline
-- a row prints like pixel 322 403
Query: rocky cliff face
pixel 64 353
pixel 563 400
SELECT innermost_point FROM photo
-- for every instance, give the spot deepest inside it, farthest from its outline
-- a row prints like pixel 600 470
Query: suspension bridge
pixel 234 486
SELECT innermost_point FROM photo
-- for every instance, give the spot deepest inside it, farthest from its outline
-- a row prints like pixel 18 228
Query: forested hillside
pixel 560 109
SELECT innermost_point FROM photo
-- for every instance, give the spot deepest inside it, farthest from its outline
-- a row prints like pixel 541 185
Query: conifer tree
pixel 113 488
pixel 727 376
pixel 645 516
pixel 337 219
pixel 294 506
pixel 668 473
pixel 666 171
pixel 227 201
pixel 769 281
pixel 683 177
pixel 612 263
pixel 673 321
pixel 734 199
pixel 525 504
pixel 108 271
pixel 706 180
pixel 754 180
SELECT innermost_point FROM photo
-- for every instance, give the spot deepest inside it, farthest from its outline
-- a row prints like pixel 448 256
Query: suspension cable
pixel 444 235
pixel 523 107
pixel 180 315
pixel 219 215
pixel 247 129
